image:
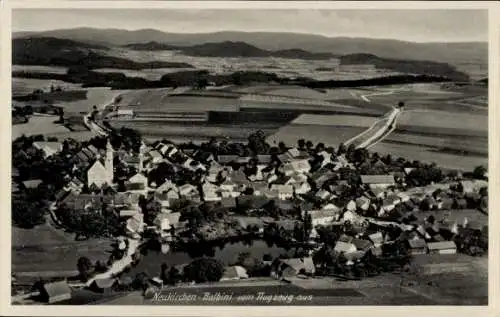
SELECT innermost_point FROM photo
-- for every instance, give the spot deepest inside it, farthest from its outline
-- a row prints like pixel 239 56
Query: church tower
pixel 142 153
pixel 109 162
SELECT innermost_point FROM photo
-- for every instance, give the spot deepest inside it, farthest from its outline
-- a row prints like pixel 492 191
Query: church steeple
pixel 109 162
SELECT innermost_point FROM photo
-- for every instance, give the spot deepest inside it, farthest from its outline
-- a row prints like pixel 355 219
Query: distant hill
pixel 405 66
pixel 228 49
pixel 48 51
pixel 442 52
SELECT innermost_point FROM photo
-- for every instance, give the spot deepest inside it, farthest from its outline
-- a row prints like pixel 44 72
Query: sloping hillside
pixel 442 52
pixel 61 52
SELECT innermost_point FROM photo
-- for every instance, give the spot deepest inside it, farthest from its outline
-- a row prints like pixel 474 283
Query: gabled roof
pixel 377 179
pixel 32 183
pixel 362 244
pixel 57 289
pixel 104 283
pixel 417 243
pixel 235 271
pixel 443 245
pixel 317 214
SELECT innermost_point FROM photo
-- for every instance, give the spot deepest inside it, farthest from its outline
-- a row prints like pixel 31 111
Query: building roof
pixel 49 148
pixel 417 243
pixel 32 183
pixel 344 247
pixel 235 271
pixel 318 214
pixel 362 244
pixel 300 263
pixel 282 189
pixel 377 179
pixel 443 245
pixel 104 283
pixel 57 288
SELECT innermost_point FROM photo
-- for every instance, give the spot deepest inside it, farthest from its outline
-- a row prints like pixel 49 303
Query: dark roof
pixel 228 202
pixel 417 243
pixel 252 201
pixel 377 179
pixel 135 186
pixel 362 244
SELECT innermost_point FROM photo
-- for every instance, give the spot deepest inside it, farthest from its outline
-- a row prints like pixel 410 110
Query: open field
pixel 477 145
pixel 30 248
pixel 476 124
pixel 426 154
pixel 329 135
pixel 38 125
pixel 39 69
pixel 24 86
pixel 149 74
pixel 159 100
pixel 188 131
pixel 95 97
pixel 334 120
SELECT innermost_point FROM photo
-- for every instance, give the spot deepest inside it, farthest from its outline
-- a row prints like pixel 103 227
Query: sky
pixel 451 25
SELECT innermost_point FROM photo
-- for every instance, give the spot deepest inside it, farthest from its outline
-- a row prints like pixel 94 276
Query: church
pixel 101 172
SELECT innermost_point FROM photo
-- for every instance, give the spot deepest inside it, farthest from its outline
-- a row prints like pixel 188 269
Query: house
pixel 363 203
pixel 376 238
pixel 382 181
pixel 226 159
pixel 417 246
pixel 351 205
pixel 139 178
pixel 165 187
pixel 361 244
pixel 103 286
pixel 444 247
pixel 187 190
pixel 55 292
pixel 354 257
pixel 377 192
pixel 48 148
pixel 155 157
pixel 32 183
pixel 228 185
pixel 323 194
pixel 174 219
pixel 300 166
pixel 135 225
pixel 302 188
pixel 289 268
pixel 344 247
pixel 323 217
pixel 234 272
pixel 162 222
pixel 284 191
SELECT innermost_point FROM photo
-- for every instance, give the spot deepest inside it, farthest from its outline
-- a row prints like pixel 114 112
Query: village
pixel 346 212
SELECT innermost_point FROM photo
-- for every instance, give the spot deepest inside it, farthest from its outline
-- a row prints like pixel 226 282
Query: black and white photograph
pixel 249 156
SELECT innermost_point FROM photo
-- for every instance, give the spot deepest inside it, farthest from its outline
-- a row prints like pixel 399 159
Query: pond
pixel 227 253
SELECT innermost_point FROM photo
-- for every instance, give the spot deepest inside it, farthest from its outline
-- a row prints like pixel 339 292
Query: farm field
pixel 149 74
pixel 39 69
pixel 440 122
pixel 96 96
pixel 24 86
pixel 477 145
pixel 193 131
pixel 334 120
pixel 430 155
pixel 329 135
pixel 38 125
pixel 31 246
pixel 160 100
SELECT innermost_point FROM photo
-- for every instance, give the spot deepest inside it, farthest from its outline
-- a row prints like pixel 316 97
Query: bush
pixel 204 270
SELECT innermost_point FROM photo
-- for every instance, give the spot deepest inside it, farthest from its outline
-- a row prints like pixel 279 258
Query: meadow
pixel 24 86
pixel 31 246
pixel 96 96
pixel 39 69
pixel 329 135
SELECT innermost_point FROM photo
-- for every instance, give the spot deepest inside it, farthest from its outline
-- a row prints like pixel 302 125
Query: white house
pixel 382 181
pixel 344 247
pixel 300 165
pixel 323 217
pixel 187 190
pixel 351 205
pixel 363 203
pixel 48 148
pixel 284 191
pixel 302 188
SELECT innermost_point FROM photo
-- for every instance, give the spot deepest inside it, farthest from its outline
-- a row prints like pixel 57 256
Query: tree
pixel 301 144
pixel 141 281
pixel 85 268
pixel 174 276
pixel 479 172
pixel 204 270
